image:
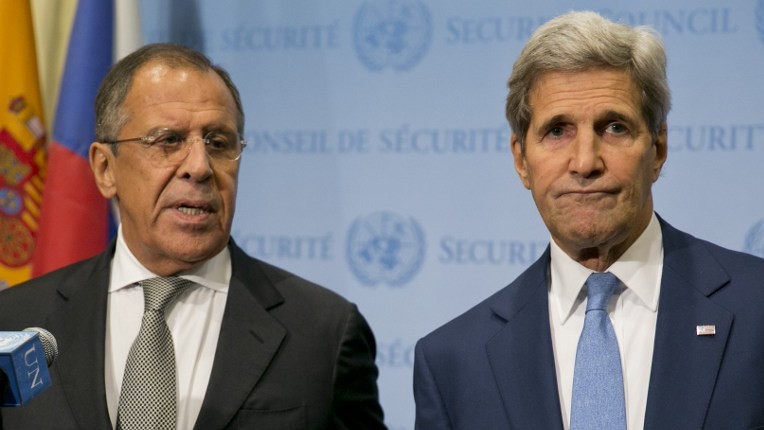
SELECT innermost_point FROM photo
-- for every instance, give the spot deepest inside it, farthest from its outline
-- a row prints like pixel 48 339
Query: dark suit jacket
pixel 291 355
pixel 493 367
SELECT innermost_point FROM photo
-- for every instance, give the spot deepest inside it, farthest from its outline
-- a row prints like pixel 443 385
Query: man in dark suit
pixel 679 330
pixel 255 346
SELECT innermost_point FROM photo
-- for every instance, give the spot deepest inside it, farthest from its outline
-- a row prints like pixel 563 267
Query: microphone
pixel 24 360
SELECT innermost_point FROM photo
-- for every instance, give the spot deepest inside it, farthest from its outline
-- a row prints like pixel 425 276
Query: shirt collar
pixel 126 270
pixel 639 269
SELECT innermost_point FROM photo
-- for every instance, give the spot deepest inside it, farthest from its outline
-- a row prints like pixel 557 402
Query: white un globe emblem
pixel 385 247
pixel 392 33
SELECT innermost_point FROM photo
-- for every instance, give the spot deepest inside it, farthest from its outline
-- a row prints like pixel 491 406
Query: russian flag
pixel 75 221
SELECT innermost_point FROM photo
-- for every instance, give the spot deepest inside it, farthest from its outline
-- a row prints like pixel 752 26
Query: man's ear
pixel 103 164
pixel 661 151
pixel 520 165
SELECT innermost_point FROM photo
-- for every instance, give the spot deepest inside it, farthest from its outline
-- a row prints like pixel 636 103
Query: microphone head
pixel 49 344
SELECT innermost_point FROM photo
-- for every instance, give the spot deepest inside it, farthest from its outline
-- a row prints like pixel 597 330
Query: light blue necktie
pixel 598 401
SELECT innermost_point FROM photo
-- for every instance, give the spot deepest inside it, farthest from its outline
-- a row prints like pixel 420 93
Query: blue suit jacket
pixel 493 367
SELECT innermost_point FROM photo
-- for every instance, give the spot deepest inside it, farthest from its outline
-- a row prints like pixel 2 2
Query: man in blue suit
pixel 588 101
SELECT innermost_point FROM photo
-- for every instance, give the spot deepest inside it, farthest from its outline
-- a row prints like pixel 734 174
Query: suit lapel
pixel 521 355
pixel 685 365
pixel 249 339
pixel 81 336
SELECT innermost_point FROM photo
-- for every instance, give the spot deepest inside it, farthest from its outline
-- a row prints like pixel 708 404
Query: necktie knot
pixel 599 288
pixel 161 291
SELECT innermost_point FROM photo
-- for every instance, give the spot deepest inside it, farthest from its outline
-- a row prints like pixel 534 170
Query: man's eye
pixel 168 140
pixel 557 131
pixel 616 128
pixel 217 142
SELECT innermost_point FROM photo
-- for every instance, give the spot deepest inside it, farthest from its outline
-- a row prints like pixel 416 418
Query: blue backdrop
pixel 378 162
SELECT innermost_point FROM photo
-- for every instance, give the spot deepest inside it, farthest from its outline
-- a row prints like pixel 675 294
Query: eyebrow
pixel 612 115
pixel 214 128
pixel 223 129
pixel 604 117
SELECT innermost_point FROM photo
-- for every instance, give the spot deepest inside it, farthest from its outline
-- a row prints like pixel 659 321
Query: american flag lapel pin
pixel 705 330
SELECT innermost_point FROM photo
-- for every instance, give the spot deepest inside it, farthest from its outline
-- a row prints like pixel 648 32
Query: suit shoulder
pixel 473 325
pixel 730 257
pixel 734 262
pixel 45 283
pixel 465 329
pixel 308 308
pixel 481 321
pixel 37 296
pixel 294 287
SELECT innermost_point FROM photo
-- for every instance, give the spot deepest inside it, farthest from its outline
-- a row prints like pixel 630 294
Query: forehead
pixel 183 93
pixel 584 93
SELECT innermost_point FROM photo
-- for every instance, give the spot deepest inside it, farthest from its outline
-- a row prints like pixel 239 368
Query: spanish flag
pixel 22 143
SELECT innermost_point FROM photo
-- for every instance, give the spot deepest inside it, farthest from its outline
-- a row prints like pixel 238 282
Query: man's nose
pixel 586 154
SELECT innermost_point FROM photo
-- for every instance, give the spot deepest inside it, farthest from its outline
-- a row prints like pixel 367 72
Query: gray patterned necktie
pixel 148 399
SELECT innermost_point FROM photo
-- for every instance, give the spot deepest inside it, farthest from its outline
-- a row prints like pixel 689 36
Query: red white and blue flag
pixel 75 221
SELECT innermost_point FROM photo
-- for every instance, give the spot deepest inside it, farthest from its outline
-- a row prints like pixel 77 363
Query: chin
pixel 197 249
pixel 587 236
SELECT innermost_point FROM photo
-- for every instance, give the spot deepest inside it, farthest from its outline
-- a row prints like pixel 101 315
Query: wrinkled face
pixel 174 216
pixel 589 160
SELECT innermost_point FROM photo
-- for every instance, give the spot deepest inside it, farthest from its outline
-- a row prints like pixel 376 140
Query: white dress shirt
pixel 194 321
pixel 633 312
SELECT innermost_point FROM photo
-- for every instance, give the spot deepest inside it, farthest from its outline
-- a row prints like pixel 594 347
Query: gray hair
pixel 110 117
pixel 580 41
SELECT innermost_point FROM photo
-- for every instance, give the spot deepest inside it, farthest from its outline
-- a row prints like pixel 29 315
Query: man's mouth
pixel 192 211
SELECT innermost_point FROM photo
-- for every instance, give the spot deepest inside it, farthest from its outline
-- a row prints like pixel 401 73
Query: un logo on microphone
pixel 754 241
pixel 392 33
pixel 385 247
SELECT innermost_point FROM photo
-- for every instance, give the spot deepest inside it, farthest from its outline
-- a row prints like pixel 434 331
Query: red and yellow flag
pixel 22 143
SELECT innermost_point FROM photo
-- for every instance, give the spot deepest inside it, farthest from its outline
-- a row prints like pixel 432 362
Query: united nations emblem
pixel 10 340
pixel 392 33
pixel 754 241
pixel 385 247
